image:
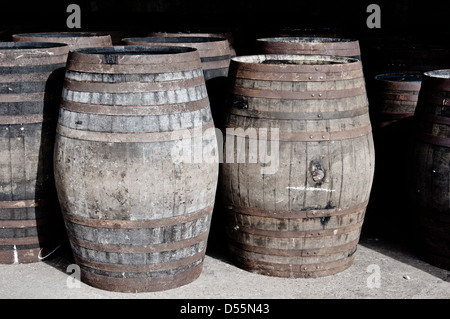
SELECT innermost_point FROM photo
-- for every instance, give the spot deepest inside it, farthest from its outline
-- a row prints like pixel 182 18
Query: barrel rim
pixel 400 77
pixel 254 63
pixel 308 40
pixel 65 34
pixel 443 74
pixel 134 50
pixel 30 45
pixel 175 39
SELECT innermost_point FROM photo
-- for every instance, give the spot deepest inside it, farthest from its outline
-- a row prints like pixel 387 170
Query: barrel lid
pixel 142 58
pixel 61 34
pixel 307 40
pixel 295 63
pixel 28 53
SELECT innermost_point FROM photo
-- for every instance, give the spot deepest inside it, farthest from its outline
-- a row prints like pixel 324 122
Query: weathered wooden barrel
pixel 137 212
pixel 430 172
pixel 397 95
pixel 310 45
pixel 297 190
pixel 75 40
pixel 226 35
pixel 31 77
pixel 214 52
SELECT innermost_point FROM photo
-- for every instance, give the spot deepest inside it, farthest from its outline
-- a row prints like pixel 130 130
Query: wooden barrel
pixel 397 95
pixel 226 35
pixel 75 40
pixel 430 195
pixel 310 45
pixel 31 77
pixel 296 203
pixel 214 52
pixel 136 215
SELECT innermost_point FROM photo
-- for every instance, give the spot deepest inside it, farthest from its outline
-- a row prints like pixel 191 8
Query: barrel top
pixel 288 63
pixel 29 45
pixel 143 59
pixel 134 50
pixel 306 39
pixel 61 34
pixel 30 53
pixel 175 39
pixel 400 77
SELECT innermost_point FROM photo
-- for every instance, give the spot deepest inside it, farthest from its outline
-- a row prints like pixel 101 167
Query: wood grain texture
pixel 31 77
pixel 137 219
pixel 304 219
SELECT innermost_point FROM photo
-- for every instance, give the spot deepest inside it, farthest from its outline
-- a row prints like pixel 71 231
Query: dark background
pixel 422 20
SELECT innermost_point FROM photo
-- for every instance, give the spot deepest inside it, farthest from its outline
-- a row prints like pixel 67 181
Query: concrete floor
pixel 383 268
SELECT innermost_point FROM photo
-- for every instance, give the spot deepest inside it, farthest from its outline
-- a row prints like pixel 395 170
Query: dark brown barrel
pixel 226 35
pixel 137 208
pixel 75 40
pixel 430 195
pixel 214 52
pixel 296 203
pixel 397 95
pixel 310 45
pixel 31 77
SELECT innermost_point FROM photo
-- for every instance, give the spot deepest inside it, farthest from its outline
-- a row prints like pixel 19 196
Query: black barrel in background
pixel 31 77
pixel 430 170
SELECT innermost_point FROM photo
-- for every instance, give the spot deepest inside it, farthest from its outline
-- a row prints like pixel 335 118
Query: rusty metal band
pixel 23 203
pixel 137 224
pixel 33 61
pixel 436 100
pixel 216 58
pixel 301 234
pixel 305 95
pixel 310 69
pixel 135 109
pixel 299 214
pixel 434 140
pixel 142 268
pixel 24 255
pixel 22 241
pixel 297 77
pixel 24 119
pixel 299 270
pixel 147 284
pixel 140 137
pixel 129 58
pixel 399 97
pixel 310 252
pixel 143 249
pixel 27 77
pixel 133 68
pixel 23 97
pixel 127 87
pixel 215 65
pixel 23 223
pixel 407 87
pixel 436 119
pixel 298 115
pixel 309 136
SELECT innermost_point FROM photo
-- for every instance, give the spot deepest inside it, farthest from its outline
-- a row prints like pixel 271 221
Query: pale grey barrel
pixel 137 213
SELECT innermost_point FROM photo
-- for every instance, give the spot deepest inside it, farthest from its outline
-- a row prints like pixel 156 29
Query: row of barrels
pixel 139 220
